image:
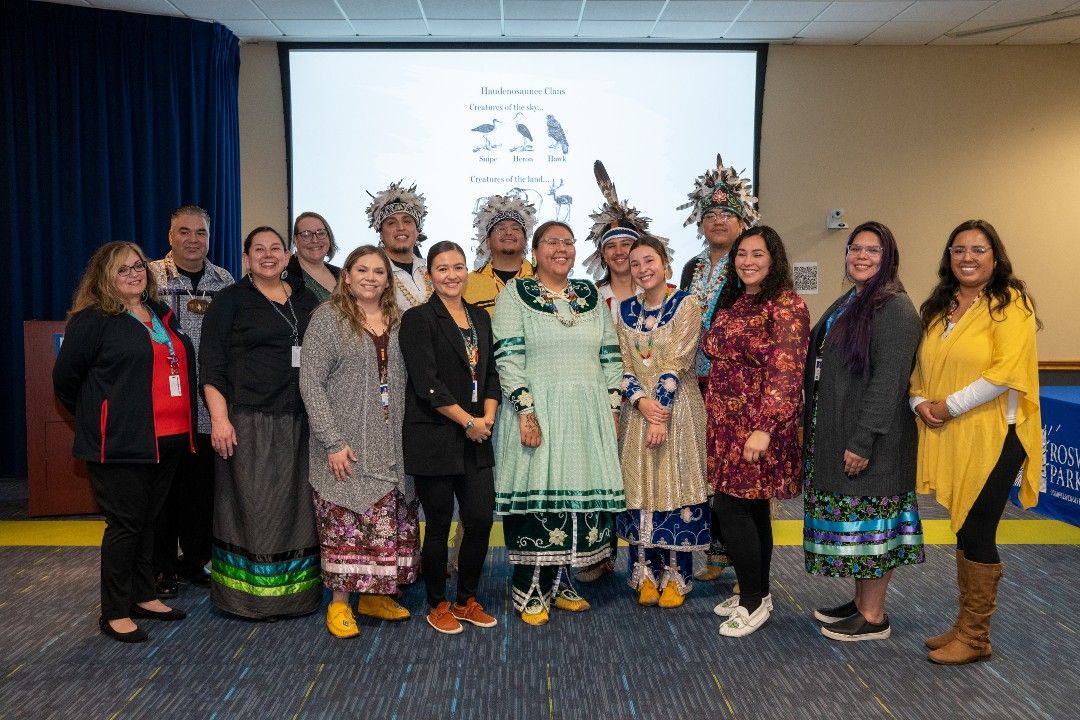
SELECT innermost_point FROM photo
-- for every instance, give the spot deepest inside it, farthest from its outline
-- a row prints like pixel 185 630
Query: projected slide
pixel 467 124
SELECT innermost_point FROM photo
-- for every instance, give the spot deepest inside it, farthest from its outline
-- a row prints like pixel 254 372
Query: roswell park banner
pixel 1059 494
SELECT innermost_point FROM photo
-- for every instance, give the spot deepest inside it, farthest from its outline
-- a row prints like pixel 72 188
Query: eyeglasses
pixel 308 234
pixel 871 250
pixel 958 251
pixel 719 215
pixel 556 242
pixel 127 270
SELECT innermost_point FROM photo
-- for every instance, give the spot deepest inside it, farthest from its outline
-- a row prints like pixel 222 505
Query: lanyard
pixel 160 335
pixel 294 325
pixel 472 354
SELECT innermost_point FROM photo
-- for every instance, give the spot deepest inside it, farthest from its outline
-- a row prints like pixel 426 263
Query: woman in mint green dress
pixel 557 477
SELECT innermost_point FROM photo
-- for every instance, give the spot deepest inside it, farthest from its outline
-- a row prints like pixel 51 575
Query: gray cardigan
pixel 339 381
pixel 868 414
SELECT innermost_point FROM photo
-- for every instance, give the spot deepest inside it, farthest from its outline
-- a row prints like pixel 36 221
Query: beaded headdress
pixel 721 188
pixel 612 220
pixel 396 199
pixel 495 209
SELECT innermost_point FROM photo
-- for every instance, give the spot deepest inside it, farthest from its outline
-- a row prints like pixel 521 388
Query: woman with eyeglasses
pixel 861 513
pixel 127 372
pixel 757 351
pixel 975 390
pixel 313 242
pixel 265 553
pixel 557 478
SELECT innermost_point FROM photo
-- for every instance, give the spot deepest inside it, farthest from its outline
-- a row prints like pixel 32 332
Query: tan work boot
pixel 972 641
pixel 949 635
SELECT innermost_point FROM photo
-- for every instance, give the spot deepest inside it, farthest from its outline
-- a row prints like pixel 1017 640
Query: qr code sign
pixel 806 278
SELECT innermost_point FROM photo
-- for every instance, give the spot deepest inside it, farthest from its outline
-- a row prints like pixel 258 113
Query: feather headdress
pixel 396 199
pixel 721 188
pixel 494 210
pixel 611 215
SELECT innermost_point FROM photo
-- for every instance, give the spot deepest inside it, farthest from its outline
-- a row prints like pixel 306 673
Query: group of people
pixel 332 404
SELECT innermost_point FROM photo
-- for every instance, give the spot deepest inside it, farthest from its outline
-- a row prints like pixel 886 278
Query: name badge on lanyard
pixel 384 395
pixel 475 388
pixel 296 356
pixel 817 368
pixel 176 389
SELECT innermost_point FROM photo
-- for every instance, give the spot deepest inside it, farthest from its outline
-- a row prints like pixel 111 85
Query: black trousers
pixel 187 516
pixel 475 493
pixel 747 530
pixel 977 537
pixel 130 496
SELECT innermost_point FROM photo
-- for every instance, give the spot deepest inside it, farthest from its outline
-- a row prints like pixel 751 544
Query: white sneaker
pixel 726 608
pixel 742 623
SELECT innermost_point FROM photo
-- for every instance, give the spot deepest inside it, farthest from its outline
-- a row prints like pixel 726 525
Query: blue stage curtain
pixel 108 121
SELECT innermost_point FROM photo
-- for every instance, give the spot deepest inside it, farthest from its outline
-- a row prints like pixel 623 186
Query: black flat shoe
pixel 138 611
pixel 137 635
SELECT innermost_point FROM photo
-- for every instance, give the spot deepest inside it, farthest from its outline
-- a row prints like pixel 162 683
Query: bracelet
pixel 468 425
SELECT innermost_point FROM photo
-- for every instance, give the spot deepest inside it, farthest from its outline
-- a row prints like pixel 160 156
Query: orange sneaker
pixel 443 620
pixel 473 612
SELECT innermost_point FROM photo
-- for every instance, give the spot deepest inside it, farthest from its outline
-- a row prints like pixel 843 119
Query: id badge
pixel 475 395
pixel 817 369
pixel 384 395
pixel 174 386
pixel 296 356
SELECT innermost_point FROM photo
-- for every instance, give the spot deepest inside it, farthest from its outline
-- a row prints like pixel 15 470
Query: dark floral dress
pixel 757 354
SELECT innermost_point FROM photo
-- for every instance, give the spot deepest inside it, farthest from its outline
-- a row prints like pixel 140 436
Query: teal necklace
pixel 157 330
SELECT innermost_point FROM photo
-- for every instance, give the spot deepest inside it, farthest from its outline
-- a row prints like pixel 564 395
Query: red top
pixel 172 415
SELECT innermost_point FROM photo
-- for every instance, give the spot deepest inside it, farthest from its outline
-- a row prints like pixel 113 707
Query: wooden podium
pixel 58 483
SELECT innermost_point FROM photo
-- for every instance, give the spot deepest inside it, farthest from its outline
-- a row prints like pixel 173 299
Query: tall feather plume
pixel 607 188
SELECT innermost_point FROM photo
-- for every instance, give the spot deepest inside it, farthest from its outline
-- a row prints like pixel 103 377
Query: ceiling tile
pixel 391 28
pixel 466 28
pixel 253 29
pixel 316 28
pixel 1006 11
pixel 380 9
pixel 622 10
pixel 150 7
pixel 541 28
pixel 770 10
pixel 841 32
pixel 764 30
pixel 220 9
pixel 866 10
pixel 898 32
pixel 542 9
pixel 690 30
pixel 80 3
pixel 615 28
pixel 1051 33
pixel 461 9
pixel 954 11
pixel 306 10
pixel 702 10
pixel 992 38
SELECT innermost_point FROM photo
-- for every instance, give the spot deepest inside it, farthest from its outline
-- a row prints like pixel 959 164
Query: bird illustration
pixel 558 137
pixel 526 136
pixel 484 130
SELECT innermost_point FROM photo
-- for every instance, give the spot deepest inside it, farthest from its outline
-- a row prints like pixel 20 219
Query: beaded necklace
pixel 646 353
pixel 412 299
pixel 705 289
pixel 566 294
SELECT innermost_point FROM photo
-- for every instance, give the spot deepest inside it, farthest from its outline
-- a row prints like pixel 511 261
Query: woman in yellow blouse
pixel 976 391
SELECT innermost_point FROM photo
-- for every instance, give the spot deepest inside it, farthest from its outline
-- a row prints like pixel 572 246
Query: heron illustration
pixel 558 137
pixel 484 130
pixel 526 136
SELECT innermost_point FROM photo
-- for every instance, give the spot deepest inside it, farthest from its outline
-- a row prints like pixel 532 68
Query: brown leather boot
pixel 972 641
pixel 947 637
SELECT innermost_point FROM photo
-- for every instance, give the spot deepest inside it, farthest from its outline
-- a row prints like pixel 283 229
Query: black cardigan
pixel 104 374
pixel 434 353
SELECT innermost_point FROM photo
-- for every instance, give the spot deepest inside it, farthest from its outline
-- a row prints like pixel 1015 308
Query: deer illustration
pixel 561 201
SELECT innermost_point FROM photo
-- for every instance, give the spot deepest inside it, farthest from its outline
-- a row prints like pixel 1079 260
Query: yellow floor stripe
pixel 87 533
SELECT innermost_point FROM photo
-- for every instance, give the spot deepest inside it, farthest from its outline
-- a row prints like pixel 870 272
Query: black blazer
pixel 104 374
pixel 434 353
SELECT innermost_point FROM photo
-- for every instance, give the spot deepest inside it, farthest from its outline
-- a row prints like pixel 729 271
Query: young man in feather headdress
pixel 397 214
pixel 503 225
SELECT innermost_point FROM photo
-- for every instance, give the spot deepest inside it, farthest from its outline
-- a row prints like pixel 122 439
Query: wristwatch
pixel 468 425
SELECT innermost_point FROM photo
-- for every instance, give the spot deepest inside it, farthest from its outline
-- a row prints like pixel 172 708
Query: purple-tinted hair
pixel 851 333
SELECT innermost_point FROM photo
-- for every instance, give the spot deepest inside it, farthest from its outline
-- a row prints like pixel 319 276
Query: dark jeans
pixel 188 514
pixel 747 531
pixel 130 496
pixel 475 493
pixel 977 537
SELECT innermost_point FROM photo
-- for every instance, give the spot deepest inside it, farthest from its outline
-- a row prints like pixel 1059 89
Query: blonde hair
pixel 343 301
pixel 97 288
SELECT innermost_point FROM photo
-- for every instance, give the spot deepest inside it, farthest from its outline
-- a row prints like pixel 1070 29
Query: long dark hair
pixel 778 279
pixel 1002 280
pixel 851 333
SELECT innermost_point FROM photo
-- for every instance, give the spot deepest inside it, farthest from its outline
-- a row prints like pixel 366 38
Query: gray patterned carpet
pixel 616 661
